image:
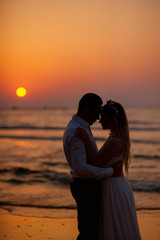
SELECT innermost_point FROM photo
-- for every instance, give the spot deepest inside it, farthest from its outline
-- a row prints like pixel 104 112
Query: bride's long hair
pixel 120 127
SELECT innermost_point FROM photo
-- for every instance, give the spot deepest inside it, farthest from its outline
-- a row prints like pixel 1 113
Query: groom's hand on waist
pixel 117 169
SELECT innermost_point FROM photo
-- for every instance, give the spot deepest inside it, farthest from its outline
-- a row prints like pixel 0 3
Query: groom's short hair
pixel 90 100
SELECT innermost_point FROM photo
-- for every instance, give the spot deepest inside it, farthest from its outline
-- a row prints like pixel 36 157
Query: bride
pixel 118 219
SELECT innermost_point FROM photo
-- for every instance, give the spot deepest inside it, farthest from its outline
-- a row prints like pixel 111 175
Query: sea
pixel 34 174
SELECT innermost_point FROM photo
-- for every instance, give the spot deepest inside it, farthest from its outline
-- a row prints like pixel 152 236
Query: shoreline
pixel 20 227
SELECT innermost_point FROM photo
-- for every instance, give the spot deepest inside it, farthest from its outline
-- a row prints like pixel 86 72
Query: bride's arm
pixel 109 150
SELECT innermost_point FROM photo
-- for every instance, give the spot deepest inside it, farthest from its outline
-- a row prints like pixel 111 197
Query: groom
pixel 84 186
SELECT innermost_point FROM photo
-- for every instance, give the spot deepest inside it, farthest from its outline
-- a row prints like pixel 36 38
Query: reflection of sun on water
pixel 21 92
pixel 20 143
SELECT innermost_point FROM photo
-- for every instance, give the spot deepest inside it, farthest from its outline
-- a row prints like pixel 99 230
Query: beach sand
pixel 18 227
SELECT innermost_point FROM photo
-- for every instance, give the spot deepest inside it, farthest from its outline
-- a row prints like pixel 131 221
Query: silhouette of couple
pixel 105 203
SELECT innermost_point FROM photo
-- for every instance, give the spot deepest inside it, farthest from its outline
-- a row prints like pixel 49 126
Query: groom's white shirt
pixel 75 152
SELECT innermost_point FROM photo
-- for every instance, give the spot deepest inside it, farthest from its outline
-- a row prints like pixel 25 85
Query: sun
pixel 21 92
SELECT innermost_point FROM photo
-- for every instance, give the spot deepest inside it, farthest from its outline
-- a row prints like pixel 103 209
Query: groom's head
pixel 89 107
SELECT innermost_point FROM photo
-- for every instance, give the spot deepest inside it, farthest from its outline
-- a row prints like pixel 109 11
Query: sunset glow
pixel 63 49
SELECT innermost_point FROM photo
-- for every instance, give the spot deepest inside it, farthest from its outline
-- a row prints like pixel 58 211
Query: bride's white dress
pixel 118 219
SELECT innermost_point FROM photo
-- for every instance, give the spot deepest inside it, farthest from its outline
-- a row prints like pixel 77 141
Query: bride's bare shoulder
pixel 114 140
pixel 115 143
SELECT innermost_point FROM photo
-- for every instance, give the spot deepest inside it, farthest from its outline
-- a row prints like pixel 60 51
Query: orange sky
pixel 59 50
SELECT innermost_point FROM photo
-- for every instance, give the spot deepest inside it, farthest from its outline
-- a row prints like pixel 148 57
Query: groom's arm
pixel 80 165
pixel 117 169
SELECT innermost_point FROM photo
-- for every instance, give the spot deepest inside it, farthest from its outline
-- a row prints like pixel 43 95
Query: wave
pixel 136 122
pixel 61 178
pixel 66 207
pixel 19 171
pixel 154 142
pixel 32 127
pixel 60 138
pixel 24 137
pixel 69 207
pixel 18 181
pixel 145 141
pixel 157 157
pixel 5 203
pixel 144 187
pixel 18 174
pixel 144 129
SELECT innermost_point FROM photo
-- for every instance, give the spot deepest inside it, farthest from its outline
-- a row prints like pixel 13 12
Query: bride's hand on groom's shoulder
pixel 117 169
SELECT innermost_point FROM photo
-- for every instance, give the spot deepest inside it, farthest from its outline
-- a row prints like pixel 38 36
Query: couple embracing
pixel 105 203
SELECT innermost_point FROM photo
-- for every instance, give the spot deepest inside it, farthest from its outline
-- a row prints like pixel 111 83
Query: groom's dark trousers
pixel 86 193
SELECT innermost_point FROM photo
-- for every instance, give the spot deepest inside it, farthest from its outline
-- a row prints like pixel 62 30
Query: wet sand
pixel 19 227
